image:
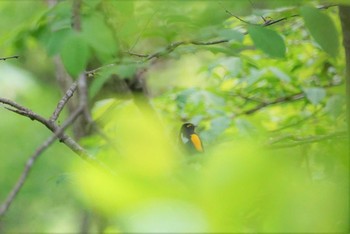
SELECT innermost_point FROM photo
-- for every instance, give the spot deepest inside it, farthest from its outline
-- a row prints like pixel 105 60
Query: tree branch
pixel 168 49
pixel 293 97
pixel 271 22
pixel 297 122
pixel 30 162
pixel 21 110
pixel 53 127
pixel 290 98
pixel 305 140
pixel 10 57
pixel 69 93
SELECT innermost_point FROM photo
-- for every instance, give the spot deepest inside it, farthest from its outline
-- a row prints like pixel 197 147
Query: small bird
pixel 189 139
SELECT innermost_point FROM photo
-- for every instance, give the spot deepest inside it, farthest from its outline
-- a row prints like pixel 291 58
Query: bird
pixel 189 139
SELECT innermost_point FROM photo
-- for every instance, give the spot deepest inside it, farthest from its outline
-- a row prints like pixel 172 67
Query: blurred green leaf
pixel 280 74
pixel 231 35
pixel 224 50
pixel 232 64
pixel 56 40
pixel 335 105
pixel 217 127
pixel 245 127
pixel 315 95
pixel 122 71
pixel 75 54
pixel 322 29
pixel 127 70
pixel 269 41
pixel 98 35
pixel 92 3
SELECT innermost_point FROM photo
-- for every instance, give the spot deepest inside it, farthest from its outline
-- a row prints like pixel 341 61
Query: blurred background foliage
pixel 269 105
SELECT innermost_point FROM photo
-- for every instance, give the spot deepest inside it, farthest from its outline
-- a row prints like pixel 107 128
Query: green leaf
pixel 126 70
pixel 56 40
pixel 315 95
pixel 231 35
pixel 335 106
pixel 232 64
pixel 245 127
pixel 280 74
pixel 269 41
pixel 98 82
pixel 322 29
pixel 98 35
pixel 75 54
pixel 122 71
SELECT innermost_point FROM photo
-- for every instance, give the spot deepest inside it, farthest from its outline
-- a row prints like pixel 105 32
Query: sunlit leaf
pixel 322 29
pixel 268 41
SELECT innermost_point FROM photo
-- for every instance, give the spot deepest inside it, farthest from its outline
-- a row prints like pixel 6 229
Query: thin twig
pixel 17 108
pixel 174 45
pixel 53 127
pixel 307 140
pixel 271 22
pixel 240 19
pixel 76 19
pixel 30 162
pixel 137 55
pixel 248 98
pixel 10 57
pixel 69 93
pixel 290 98
pixel 143 29
pixel 168 49
pixel 297 122
pixel 84 97
pixel 293 97
pixel 94 71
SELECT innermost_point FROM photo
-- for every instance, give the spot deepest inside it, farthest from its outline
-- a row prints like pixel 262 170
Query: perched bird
pixel 189 139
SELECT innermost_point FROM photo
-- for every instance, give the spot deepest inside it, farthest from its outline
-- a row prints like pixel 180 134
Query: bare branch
pixel 53 127
pixel 297 122
pixel 69 93
pixel 30 162
pixel 293 97
pixel 94 71
pixel 208 42
pixel 27 113
pixel 268 22
pixel 173 46
pixel 76 19
pixel 137 55
pixel 290 98
pixel 168 49
pixel 306 140
pixel 248 98
pixel 84 102
pixel 10 57
pixel 240 19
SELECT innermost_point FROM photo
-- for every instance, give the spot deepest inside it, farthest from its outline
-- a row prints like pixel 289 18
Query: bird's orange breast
pixel 197 142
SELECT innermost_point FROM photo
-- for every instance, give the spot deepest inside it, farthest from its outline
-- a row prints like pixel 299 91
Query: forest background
pixel 93 94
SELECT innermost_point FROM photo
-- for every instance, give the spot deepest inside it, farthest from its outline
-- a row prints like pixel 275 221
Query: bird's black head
pixel 187 128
